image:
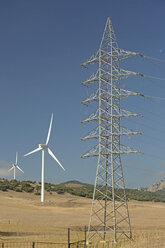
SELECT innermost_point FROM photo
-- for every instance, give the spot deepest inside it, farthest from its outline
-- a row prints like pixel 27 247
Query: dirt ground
pixel 57 211
pixel 68 210
pixel 23 212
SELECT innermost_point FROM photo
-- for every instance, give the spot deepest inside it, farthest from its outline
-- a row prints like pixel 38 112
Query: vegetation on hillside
pixel 80 189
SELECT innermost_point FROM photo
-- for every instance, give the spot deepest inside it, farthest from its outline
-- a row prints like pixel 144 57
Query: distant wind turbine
pixel 15 166
pixel 44 147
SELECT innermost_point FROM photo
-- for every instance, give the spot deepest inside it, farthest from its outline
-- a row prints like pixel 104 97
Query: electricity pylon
pixel 109 218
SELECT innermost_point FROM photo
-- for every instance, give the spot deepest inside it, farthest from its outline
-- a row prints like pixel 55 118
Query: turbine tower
pixel 15 166
pixel 43 147
pixel 109 218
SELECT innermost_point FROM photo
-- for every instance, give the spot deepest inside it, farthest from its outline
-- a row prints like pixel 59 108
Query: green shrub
pixel 3 188
pixel 18 190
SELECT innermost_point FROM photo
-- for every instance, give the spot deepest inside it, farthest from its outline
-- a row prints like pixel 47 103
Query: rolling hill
pixel 154 193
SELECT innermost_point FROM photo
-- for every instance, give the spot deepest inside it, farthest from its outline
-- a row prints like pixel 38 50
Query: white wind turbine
pixel 44 147
pixel 15 166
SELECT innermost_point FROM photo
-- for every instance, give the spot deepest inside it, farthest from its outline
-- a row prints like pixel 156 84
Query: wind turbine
pixel 44 147
pixel 15 166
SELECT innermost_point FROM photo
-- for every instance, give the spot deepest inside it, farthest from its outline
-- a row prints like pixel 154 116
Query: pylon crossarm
pixel 96 76
pixel 124 54
pixel 122 113
pixel 94 134
pixel 123 92
pixel 117 74
pixel 94 96
pixel 93 59
pixel 94 151
pixel 93 116
pixel 127 150
pixel 125 131
pixel 120 73
pixel 93 78
pixel 117 52
pixel 105 115
pixel 104 96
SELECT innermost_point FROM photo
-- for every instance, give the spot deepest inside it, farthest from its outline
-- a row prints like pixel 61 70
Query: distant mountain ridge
pixel 160 185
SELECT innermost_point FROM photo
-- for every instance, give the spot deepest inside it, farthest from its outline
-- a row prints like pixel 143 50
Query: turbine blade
pixel 50 127
pixel 36 150
pixel 16 160
pixel 11 169
pixel 53 156
pixel 19 168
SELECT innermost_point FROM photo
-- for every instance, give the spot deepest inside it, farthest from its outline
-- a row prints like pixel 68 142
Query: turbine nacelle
pixel 43 146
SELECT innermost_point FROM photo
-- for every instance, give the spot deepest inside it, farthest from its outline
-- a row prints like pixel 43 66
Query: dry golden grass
pixel 24 218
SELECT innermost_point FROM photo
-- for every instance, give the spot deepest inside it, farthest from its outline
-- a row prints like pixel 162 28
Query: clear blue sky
pixel 42 46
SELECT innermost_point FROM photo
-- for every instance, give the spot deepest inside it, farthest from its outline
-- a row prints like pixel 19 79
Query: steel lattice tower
pixel 109 218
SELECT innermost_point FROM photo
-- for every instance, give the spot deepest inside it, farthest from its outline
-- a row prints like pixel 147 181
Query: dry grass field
pixel 23 217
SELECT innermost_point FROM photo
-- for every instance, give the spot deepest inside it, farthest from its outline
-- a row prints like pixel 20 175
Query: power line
pixel 158 84
pixel 152 137
pixel 155 97
pixel 152 58
pixel 153 77
pixel 139 168
pixel 145 110
pixel 156 64
pixel 154 156
pixel 160 130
